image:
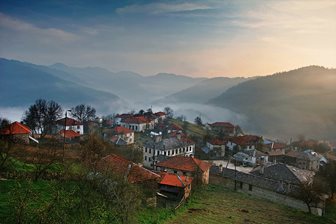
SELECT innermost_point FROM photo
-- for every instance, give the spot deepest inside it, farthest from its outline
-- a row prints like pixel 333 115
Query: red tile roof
pixel 69 133
pixel 217 141
pixel 222 124
pixel 246 139
pixel 121 166
pixel 174 180
pixel 69 122
pixel 278 145
pixel 293 153
pixel 121 130
pixel 15 128
pixel 190 164
pixel 160 113
pixel 136 120
pixel 276 152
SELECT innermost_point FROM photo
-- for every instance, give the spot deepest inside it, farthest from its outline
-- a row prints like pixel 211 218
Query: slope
pixel 287 104
pixel 204 90
pixel 128 85
pixel 22 83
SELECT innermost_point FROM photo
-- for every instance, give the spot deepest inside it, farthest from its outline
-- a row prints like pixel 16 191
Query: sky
pixel 195 38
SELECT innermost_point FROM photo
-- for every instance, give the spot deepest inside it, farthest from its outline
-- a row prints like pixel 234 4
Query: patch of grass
pixel 16 165
pixel 52 202
pixel 192 129
pixel 331 211
pixel 216 204
pixel 155 215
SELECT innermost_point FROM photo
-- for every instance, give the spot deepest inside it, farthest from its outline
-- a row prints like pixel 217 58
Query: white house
pixel 159 149
pixel 122 136
pixel 243 143
pixel 217 146
pixel 137 124
pixel 70 124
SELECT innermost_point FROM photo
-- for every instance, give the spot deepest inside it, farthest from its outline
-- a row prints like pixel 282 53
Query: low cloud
pixel 23 27
pixel 12 113
pixel 162 8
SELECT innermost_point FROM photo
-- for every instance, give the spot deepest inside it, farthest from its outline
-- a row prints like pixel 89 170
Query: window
pixel 168 153
pixel 78 127
pixel 250 187
pixel 145 158
pixel 241 185
pixel 150 151
pixel 145 149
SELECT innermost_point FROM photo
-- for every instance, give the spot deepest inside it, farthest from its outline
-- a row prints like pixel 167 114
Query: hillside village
pixel 169 157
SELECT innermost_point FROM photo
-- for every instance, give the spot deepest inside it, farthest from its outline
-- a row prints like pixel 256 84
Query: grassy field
pixel 192 129
pixel 215 204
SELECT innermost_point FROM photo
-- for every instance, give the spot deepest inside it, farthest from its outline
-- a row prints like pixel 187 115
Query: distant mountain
pixel 288 104
pixel 204 90
pixel 22 83
pixel 128 85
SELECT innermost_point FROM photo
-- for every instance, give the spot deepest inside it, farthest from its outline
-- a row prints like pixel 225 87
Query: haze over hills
pixel 204 90
pixel 128 85
pixel 285 105
pixel 301 101
pixel 22 83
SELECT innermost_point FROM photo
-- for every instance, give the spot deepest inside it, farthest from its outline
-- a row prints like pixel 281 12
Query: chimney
pixel 158 138
pixel 127 171
pixel 262 168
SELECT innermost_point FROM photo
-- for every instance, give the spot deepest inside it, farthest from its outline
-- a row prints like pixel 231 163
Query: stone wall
pixel 259 192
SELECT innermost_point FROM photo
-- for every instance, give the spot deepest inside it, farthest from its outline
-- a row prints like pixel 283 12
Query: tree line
pixel 41 116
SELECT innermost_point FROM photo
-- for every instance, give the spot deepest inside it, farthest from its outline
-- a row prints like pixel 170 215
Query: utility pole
pixel 235 184
pixel 65 120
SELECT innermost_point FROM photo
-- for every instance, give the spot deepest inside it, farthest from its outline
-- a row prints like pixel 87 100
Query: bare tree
pixel 310 192
pixel 84 112
pixel 92 151
pixel 42 115
pixel 328 173
pixel 43 160
pixel 198 121
pixel 169 112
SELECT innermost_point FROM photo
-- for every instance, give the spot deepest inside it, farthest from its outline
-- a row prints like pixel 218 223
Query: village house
pixel 276 152
pixel 120 167
pixel 304 160
pixel 186 166
pixel 173 189
pixel 161 116
pixel 224 128
pixel 122 136
pixel 137 124
pixel 243 143
pixel 158 149
pixel 70 124
pixel 215 147
pixel 119 117
pixel 17 132
pixel 70 136
pixel 276 182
